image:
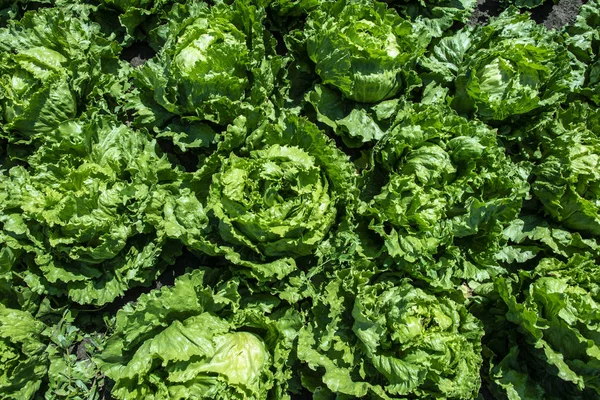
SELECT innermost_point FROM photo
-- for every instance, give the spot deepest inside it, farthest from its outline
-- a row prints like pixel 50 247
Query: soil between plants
pixel 551 15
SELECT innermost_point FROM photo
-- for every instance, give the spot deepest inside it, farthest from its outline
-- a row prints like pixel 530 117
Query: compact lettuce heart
pixel 74 222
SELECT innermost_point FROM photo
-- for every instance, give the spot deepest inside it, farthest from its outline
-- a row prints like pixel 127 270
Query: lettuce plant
pixel 23 361
pixel 363 49
pixel 75 217
pixel 543 336
pixel 193 341
pixel 51 63
pixel 566 179
pixel 267 203
pixel 508 68
pixel 216 64
pixel 448 193
pixel 388 339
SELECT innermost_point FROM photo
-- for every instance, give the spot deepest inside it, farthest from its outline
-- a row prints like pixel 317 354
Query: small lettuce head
pixel 363 48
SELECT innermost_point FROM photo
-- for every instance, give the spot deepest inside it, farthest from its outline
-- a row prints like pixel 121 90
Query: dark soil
pixel 553 16
pixel 137 54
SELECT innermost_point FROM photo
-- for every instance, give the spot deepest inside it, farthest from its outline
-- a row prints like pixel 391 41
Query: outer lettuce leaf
pixel 52 64
pixel 505 69
pixel 193 341
pixel 75 223
pixel 357 123
pixel 364 49
pixel 437 15
pixel 388 339
pixel 448 194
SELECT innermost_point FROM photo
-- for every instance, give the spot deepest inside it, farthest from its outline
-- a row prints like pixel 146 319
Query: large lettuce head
pixel 363 48
pixel 389 339
pixel 267 203
pixel 192 341
pixel 51 63
pixel 567 180
pixel 214 65
pixel 77 216
pixel 439 195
